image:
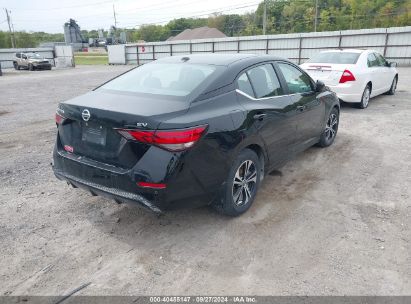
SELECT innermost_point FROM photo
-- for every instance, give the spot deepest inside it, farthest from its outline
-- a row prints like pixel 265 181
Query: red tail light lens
pixel 59 118
pixel 172 140
pixel 347 76
pixel 151 185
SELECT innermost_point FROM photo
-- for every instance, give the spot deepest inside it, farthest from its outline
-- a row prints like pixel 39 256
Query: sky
pixel 50 16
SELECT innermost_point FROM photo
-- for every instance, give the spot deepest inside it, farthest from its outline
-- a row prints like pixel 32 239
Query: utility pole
pixel 13 40
pixel 265 17
pixel 316 16
pixel 115 19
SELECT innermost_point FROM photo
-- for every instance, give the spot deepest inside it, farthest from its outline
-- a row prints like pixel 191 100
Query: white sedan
pixel 354 75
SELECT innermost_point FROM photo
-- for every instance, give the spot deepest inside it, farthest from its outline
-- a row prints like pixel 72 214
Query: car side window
pixel 18 55
pixel 372 61
pixel 244 85
pixel 23 56
pixel 381 60
pixel 264 81
pixel 297 81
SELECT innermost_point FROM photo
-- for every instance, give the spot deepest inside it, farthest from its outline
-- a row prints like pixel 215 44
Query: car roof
pixel 217 59
pixel 359 51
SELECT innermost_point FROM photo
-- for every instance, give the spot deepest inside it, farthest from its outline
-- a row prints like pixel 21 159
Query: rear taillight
pixel 151 185
pixel 347 76
pixel 172 140
pixel 59 118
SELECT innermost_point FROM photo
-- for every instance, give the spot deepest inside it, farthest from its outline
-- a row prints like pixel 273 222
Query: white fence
pixel 394 43
pixel 59 56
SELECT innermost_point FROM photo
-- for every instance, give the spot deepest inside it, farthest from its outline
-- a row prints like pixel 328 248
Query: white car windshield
pixel 336 58
pixel 34 55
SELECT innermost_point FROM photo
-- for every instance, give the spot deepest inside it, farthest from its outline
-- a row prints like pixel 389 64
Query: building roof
pixel 198 33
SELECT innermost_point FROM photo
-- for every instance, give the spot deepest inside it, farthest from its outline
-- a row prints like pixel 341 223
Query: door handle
pixel 300 108
pixel 259 116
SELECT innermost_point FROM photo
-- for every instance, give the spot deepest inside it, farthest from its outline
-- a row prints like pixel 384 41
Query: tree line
pixel 283 16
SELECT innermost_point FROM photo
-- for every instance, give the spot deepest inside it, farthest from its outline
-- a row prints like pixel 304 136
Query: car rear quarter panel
pixel 211 158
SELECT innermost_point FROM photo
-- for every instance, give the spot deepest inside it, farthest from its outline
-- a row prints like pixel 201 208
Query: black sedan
pixel 192 130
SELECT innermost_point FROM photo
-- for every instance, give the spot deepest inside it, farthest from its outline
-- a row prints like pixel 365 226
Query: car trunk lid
pixel 330 74
pixel 90 122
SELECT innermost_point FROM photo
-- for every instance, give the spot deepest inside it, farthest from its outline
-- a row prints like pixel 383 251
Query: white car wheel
pixel 365 97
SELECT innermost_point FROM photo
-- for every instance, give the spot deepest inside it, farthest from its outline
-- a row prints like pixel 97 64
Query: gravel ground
pixel 334 221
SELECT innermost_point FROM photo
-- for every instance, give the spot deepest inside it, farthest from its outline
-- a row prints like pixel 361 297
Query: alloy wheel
pixel 331 127
pixel 245 181
pixel 366 97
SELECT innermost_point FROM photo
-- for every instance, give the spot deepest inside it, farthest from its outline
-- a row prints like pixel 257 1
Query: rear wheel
pixel 365 97
pixel 393 86
pixel 331 128
pixel 241 186
pixel 16 66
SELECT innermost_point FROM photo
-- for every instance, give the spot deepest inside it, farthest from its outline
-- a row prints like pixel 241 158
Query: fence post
pixel 386 41
pixel 213 46
pixel 154 56
pixel 171 50
pixel 339 41
pixel 138 59
pixel 191 47
pixel 299 50
pixel 238 45
pixel 266 46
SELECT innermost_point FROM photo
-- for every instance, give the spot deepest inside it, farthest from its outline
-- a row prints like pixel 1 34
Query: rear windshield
pixel 336 57
pixel 163 79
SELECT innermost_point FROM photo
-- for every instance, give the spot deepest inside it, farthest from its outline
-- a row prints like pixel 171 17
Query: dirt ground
pixel 334 221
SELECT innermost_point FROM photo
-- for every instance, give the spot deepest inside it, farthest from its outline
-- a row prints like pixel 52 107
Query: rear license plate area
pixel 94 133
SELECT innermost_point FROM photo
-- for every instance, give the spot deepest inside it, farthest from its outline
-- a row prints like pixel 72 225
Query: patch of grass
pixel 90 60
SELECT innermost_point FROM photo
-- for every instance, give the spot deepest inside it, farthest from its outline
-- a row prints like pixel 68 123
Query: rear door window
pixel 264 81
pixel 297 81
pixel 244 85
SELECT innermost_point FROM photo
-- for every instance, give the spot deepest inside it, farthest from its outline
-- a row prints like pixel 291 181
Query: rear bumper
pixel 112 193
pixel 349 92
pixel 184 190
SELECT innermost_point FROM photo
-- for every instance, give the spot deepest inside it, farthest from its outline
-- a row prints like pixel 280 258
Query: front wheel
pixel 331 128
pixel 241 186
pixel 393 86
pixel 16 66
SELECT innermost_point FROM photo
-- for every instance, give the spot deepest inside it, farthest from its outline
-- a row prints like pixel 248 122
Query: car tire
pixel 393 86
pixel 331 129
pixel 365 99
pixel 16 66
pixel 31 67
pixel 241 186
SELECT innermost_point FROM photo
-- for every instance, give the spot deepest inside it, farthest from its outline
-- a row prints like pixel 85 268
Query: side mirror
pixel 392 64
pixel 319 86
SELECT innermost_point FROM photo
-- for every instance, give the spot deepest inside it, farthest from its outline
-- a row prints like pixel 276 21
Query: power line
pixel 203 13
